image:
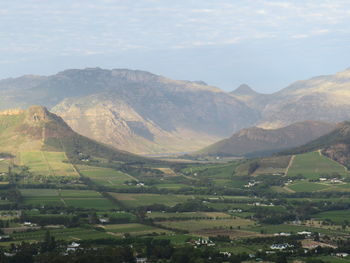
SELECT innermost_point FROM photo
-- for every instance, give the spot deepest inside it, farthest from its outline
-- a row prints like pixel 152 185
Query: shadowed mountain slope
pixel 257 141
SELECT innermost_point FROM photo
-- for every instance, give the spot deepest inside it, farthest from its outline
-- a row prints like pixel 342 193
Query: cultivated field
pixel 313 165
pixel 136 200
pixel 46 163
pixel 191 215
pixel 3 166
pixel 134 229
pixel 206 224
pixel 85 199
pixel 73 234
pixel 105 176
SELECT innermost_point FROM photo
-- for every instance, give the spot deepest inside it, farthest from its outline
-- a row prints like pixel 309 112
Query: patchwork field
pixel 46 163
pixel 313 165
pixel 105 176
pixel 85 199
pixel 136 200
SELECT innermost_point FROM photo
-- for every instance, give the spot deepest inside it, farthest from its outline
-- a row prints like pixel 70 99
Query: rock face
pixel 258 141
pixel 146 113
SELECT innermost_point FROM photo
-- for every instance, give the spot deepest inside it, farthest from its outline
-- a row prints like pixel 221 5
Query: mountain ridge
pixel 149 114
pixel 258 141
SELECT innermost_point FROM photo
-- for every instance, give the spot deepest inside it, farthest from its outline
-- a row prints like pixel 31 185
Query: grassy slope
pixel 313 165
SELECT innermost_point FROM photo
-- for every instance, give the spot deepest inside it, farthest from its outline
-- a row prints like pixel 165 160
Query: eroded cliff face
pixel 116 123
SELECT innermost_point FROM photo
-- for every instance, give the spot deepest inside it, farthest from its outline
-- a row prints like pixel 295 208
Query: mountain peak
pixel 36 115
pixel 244 89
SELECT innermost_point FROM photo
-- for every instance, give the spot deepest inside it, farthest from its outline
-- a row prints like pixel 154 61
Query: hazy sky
pixel 266 44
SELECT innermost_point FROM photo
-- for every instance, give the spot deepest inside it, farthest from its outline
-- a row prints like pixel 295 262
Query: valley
pixel 240 206
pixel 262 194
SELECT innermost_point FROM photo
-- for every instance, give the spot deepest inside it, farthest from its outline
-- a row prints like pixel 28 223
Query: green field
pixel 4 166
pixel 134 229
pixel 160 215
pixel 308 187
pixel 206 224
pixel 337 216
pixel 46 163
pixel 271 229
pixel 85 199
pixel 136 200
pixel 313 166
pixel 219 171
pixel 105 176
pixel 61 234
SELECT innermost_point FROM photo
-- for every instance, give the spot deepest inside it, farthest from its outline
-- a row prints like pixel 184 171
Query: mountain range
pixel 145 113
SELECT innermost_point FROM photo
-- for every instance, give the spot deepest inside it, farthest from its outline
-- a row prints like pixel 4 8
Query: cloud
pixel 97 26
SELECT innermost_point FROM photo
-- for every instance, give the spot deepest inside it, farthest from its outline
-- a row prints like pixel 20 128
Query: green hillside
pixel 314 165
pixel 335 145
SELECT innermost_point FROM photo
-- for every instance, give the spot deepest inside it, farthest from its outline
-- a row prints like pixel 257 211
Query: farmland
pixel 133 229
pixel 206 224
pixel 313 165
pixel 3 166
pixel 105 202
pixel 84 199
pixel 46 163
pixel 105 176
pixel 136 200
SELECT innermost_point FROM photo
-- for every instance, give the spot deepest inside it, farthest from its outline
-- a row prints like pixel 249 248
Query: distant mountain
pixel 145 113
pixel 133 110
pixel 257 141
pixel 324 98
pixel 38 129
pixel 335 145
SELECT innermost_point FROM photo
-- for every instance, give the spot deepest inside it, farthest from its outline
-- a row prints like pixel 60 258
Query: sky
pixel 266 44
